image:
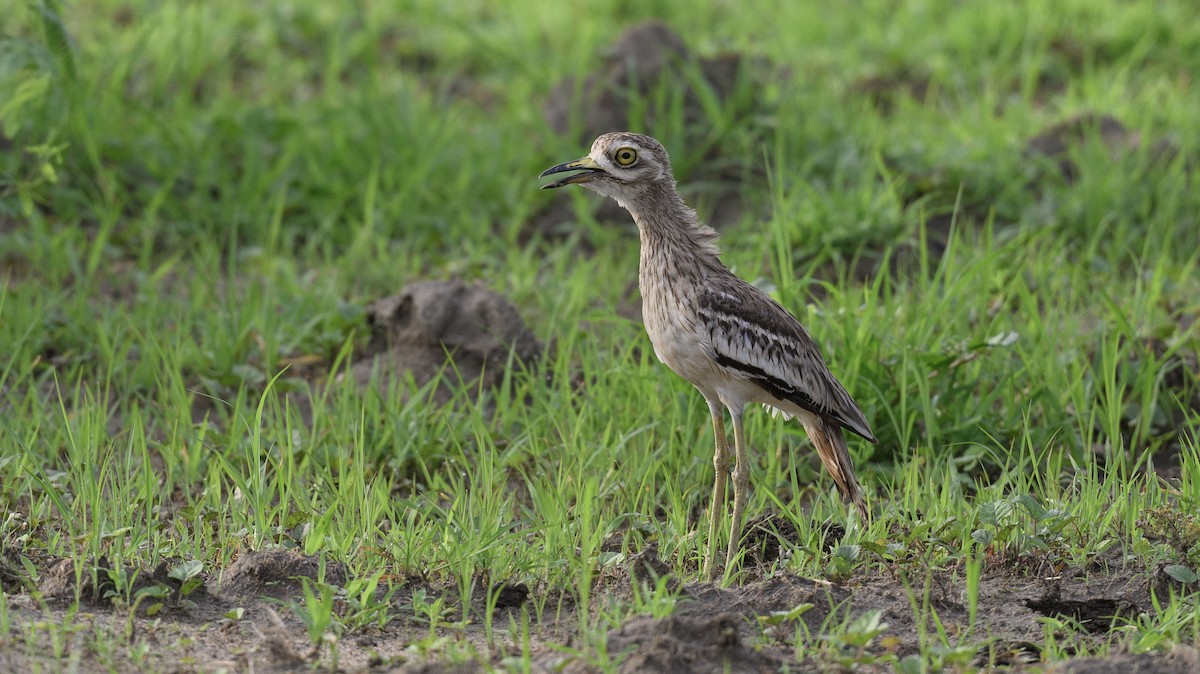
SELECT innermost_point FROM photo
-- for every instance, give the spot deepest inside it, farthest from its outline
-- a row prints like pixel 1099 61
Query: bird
pixel 731 340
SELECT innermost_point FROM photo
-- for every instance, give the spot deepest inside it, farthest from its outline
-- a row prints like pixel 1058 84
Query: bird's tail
pixel 831 447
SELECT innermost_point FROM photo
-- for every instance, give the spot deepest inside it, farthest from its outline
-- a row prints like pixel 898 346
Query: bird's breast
pixel 669 314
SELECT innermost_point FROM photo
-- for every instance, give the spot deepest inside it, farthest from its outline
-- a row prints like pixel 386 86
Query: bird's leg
pixel 741 482
pixel 721 469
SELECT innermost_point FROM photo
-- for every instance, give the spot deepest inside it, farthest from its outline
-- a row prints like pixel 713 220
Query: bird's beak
pixel 588 165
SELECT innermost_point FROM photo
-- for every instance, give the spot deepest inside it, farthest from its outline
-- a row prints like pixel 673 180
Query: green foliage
pixel 317 614
pixel 197 201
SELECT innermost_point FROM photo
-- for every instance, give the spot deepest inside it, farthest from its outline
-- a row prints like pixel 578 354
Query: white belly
pixel 681 346
pixel 676 338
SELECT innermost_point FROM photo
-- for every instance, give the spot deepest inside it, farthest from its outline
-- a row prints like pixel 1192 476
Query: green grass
pixel 193 196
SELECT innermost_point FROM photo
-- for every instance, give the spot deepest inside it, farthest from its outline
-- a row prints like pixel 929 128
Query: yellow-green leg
pixel 741 483
pixel 721 469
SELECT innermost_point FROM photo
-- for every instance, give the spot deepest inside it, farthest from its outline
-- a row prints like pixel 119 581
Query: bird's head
pixel 621 165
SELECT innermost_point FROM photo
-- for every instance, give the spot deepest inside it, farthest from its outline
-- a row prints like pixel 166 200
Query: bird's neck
pixel 668 227
pixel 676 247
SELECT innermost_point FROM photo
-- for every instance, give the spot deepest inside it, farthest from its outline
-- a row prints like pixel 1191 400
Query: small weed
pixel 842 561
pixel 431 613
pixel 1180 531
pixel 1022 524
pixel 361 604
pixel 190 579
pixel 320 621
pixel 849 643
pixel 658 601
pixel 1173 623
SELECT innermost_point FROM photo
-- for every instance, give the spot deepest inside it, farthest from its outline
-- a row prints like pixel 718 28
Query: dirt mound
pixel 1055 143
pixel 457 333
pixel 12 575
pixel 1182 660
pixel 647 74
pixel 275 573
pixel 644 58
pixel 685 644
pixel 885 90
pixel 438 668
pixel 1010 607
pixel 101 582
pixel 712 625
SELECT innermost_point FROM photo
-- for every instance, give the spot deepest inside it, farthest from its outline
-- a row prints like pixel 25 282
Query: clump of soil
pixel 685 644
pixel 463 335
pixel 646 61
pixel 1181 660
pixel 12 576
pixel 886 90
pixel 274 573
pixel 641 60
pixel 253 575
pixel 102 581
pixel 1056 141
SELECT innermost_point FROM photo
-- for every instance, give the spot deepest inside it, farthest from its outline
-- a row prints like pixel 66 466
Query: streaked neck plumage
pixel 670 232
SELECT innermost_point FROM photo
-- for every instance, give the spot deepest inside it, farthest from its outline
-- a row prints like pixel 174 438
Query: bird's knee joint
pixel 741 475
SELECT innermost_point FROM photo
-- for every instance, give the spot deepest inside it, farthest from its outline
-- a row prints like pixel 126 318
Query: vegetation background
pixel 985 212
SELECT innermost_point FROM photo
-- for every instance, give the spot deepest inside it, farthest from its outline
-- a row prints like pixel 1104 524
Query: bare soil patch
pixel 712 629
pixel 1182 660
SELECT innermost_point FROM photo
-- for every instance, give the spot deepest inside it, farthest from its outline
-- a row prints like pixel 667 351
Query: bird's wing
pixel 753 335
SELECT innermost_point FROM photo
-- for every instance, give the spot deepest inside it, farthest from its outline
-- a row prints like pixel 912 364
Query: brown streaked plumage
pixel 729 339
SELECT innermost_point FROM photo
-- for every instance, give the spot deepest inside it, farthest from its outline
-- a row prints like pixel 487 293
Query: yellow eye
pixel 626 156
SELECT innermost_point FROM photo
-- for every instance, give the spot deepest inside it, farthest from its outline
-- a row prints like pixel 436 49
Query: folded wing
pixel 752 336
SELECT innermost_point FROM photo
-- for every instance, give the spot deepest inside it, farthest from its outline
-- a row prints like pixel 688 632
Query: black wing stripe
pixel 789 364
pixel 775 386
